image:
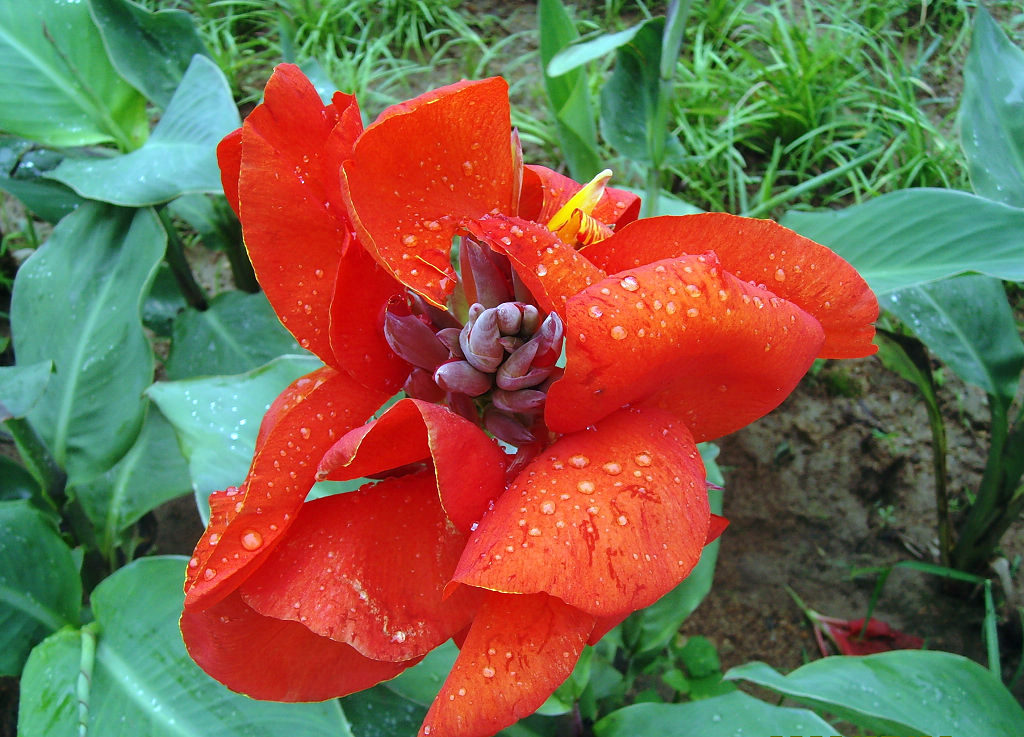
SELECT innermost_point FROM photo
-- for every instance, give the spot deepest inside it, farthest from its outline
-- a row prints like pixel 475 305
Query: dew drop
pixel 693 290
pixel 534 532
pixel 692 312
pixel 319 273
pixel 642 459
pixel 214 538
pixel 670 308
pixel 541 270
pixel 780 275
pixel 399 636
pixel 432 225
pixel 209 574
pixel 304 432
pixel 252 540
pixel 193 562
pixel 622 520
pixel 547 508
pixel 585 487
pixel 595 311
pixel 612 468
pixel 630 284
pixel 409 240
pixel 467 168
pixel 488 672
pixel 618 332
pixel 579 461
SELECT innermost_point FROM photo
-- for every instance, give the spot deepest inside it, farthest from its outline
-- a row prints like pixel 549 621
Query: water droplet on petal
pixel 579 461
pixel 585 487
pixel 629 283
pixel 534 532
pixel 209 573
pixel 618 332
pixel 622 520
pixel 547 508
pixel 488 672
pixel 611 468
pixel 780 275
pixel 693 290
pixel 409 240
pixel 252 540
pixel 541 270
pixel 642 459
pixel 595 311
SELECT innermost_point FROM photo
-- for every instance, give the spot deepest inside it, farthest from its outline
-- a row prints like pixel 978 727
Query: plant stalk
pixel 39 461
pixel 175 255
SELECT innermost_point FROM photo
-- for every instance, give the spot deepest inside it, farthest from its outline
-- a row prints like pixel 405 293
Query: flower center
pixel 494 370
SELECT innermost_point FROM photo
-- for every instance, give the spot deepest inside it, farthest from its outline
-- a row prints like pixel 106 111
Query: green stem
pixel 241 266
pixel 39 461
pixel 939 449
pixel 175 256
pixel 652 192
pixel 87 661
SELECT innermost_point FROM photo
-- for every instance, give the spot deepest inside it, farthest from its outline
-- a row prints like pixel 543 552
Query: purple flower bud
pixel 479 341
pixel 531 319
pixel 421 385
pixel 413 341
pixel 505 427
pixel 489 279
pixel 524 401
pixel 510 318
pixel 510 343
pixel 461 377
pixel 449 337
pixel 549 339
pixel 515 372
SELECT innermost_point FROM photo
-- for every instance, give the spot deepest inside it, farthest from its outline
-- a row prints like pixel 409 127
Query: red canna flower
pixel 674 330
pixel 854 638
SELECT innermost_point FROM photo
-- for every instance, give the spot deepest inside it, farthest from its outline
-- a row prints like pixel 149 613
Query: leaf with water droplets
pixel 900 692
pixel 718 356
pixel 732 715
pixel 141 673
pixel 40 588
pixel 21 387
pixel 518 651
pixel 622 510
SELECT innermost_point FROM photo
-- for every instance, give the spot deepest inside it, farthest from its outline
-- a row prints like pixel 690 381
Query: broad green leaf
pixel 40 590
pixel 163 303
pixel 58 86
pixel 22 166
pixel 21 387
pixel 380 712
pixel 150 50
pixel 904 692
pixel 142 680
pixel 77 302
pixel 421 683
pixel 211 217
pixel 914 236
pixel 731 715
pixel 967 322
pixel 651 628
pixel 217 419
pixel 15 481
pixel 180 156
pixel 151 473
pixel 237 333
pixel 992 113
pixel 568 94
pixel 579 53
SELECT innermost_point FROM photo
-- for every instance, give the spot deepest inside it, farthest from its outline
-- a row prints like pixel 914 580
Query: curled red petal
pixel 229 158
pixel 550 269
pixel 469 466
pixel 301 424
pixel 518 651
pixel 686 336
pixel 764 253
pixel 424 166
pixel 276 660
pixel 607 520
pixel 293 218
pixel 717 527
pixel 545 191
pixel 362 291
pixel 369 568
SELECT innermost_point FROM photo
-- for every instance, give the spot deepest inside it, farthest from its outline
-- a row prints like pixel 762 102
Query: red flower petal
pixel 764 253
pixel 607 520
pixel 362 291
pixel 718 525
pixel 682 334
pixel 303 422
pixel 276 660
pixel 518 651
pixel 550 269
pixel 369 568
pixel 545 191
pixel 229 158
pixel 293 218
pixel 470 467
pixel 423 167
pixel 879 637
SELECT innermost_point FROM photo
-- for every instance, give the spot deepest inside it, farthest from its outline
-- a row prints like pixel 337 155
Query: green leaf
pixel 77 302
pixel 211 217
pixel 904 692
pixel 722 716
pixel 142 680
pixel 217 419
pixel 15 481
pixel 150 50
pixel 380 712
pixel 22 166
pixel 58 86
pixel 163 303
pixel 151 473
pixel 237 333
pixel 40 590
pixel 421 683
pixel 180 156
pixel 992 113
pixel 967 322
pixel 700 657
pixel 21 387
pixel 579 53
pixel 568 94
pixel 914 236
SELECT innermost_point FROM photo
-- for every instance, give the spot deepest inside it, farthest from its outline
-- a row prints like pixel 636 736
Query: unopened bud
pixel 449 338
pixel 531 319
pixel 414 341
pixel 524 401
pixel 479 341
pixel 506 427
pixel 421 385
pixel 549 339
pixel 461 377
pixel 510 318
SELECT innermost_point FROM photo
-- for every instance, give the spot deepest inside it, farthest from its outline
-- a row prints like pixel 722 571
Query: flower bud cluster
pixel 504 357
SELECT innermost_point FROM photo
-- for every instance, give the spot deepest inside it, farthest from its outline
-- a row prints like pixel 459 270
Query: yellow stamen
pixel 585 200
